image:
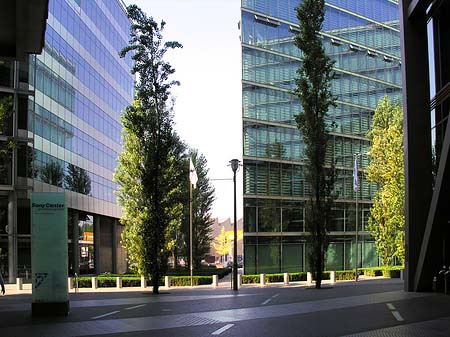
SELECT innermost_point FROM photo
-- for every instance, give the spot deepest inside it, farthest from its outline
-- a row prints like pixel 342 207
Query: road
pixel 367 308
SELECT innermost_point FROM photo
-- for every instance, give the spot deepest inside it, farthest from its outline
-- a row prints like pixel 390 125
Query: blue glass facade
pixel 362 37
pixel 81 88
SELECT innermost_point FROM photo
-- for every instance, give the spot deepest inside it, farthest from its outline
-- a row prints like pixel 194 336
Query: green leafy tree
pixel 202 201
pixel 77 180
pixel 313 89
pixel 179 173
pixel 143 173
pixel 386 168
pixel 52 173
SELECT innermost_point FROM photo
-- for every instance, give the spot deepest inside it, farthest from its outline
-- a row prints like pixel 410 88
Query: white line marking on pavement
pixel 266 301
pixel 397 316
pixel 108 314
pixel 390 306
pixel 276 295
pixel 222 329
pixel 136 306
pixel 166 310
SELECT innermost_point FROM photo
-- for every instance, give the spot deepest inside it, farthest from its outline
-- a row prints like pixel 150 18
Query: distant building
pixel 68 120
pixel 363 38
pixel 426 99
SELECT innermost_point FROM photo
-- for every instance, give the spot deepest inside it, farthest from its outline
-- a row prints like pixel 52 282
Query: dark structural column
pixel 417 133
pixel 75 248
pixel 97 240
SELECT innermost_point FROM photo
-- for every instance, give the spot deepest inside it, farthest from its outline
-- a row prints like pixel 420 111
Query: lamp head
pixel 234 164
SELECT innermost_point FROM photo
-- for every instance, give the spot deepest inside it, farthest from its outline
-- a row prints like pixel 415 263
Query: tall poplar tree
pixel 144 176
pixel 313 87
pixel 386 169
pixel 202 200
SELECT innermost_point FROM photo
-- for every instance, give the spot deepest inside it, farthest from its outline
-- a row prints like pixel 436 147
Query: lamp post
pixel 356 190
pixel 234 166
pixel 357 157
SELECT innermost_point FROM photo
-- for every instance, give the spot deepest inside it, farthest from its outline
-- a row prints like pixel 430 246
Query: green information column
pixel 49 254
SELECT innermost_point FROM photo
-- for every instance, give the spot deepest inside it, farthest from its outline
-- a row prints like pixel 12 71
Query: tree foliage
pixel 53 173
pixel 386 168
pixel 77 180
pixel 144 174
pixel 313 89
pixel 202 201
pixel 223 242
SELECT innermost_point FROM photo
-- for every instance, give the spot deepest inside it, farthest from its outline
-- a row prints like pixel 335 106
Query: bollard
pixel 94 283
pixel 332 277
pixel 402 276
pixel 286 278
pixel 19 283
pixel 215 281
pixel 119 282
pixel 69 283
pixel 143 282
pixel 239 280
pixel 308 278
pixel 76 282
pixel 262 279
pixel 167 281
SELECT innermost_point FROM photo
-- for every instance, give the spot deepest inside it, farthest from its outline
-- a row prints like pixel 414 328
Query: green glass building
pixel 363 39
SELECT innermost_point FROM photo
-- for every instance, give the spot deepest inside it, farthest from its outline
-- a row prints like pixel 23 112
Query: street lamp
pixel 357 157
pixel 234 166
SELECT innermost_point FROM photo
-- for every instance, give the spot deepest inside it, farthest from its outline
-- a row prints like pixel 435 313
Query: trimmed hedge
pixel 183 281
pixel 221 272
pixel 341 275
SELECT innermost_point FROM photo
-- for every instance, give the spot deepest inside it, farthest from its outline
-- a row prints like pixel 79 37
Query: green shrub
pixel 207 271
pixel 343 275
pixel 183 281
pixel 104 282
pixel 295 277
pixel 250 279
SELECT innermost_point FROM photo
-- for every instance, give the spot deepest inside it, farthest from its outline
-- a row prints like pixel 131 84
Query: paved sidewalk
pixel 368 308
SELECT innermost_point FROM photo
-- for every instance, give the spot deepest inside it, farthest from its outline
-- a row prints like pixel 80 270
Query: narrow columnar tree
pixel 202 200
pixel 386 169
pixel 144 172
pixel 313 89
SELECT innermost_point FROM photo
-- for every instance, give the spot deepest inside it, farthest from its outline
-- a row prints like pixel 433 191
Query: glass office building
pixel 362 37
pixel 73 130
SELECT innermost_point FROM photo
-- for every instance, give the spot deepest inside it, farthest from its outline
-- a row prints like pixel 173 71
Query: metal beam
pixel 417 135
pixel 438 204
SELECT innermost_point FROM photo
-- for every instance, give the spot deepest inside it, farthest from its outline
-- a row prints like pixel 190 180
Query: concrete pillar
pixel 239 280
pixel 167 281
pixel 119 282
pixel 12 236
pixel 286 278
pixel 19 283
pixel 75 248
pixel 143 282
pixel 332 277
pixel 262 279
pixel 94 283
pixel 114 246
pixel 215 280
pixel 97 266
pixel 308 278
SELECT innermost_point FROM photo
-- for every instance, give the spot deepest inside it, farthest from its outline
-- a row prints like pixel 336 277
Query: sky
pixel 208 106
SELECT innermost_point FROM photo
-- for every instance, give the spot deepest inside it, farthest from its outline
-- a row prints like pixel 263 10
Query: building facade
pixel 72 131
pixel 426 101
pixel 362 37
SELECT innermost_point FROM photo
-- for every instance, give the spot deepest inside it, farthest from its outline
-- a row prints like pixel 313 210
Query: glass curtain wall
pixel 362 37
